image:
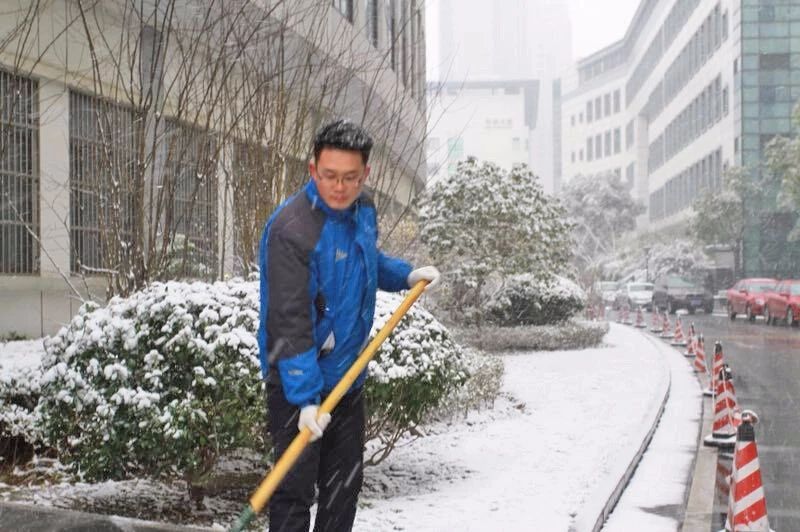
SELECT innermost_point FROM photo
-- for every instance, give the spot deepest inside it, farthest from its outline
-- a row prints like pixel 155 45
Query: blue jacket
pixel 320 271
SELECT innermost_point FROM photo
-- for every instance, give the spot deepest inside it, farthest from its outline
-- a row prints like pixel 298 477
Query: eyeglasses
pixel 350 180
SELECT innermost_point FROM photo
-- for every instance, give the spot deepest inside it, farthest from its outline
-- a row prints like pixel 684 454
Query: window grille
pixel 102 163
pixel 189 158
pixel 19 174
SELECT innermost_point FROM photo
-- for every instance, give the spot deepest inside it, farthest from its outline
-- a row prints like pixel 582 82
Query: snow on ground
pixel 549 465
pixel 658 488
pixel 547 457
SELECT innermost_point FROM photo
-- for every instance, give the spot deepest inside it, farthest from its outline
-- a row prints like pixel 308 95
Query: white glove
pixel 426 273
pixel 308 419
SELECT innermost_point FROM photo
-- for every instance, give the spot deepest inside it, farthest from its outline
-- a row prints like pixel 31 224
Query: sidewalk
pixel 552 466
pixel 555 453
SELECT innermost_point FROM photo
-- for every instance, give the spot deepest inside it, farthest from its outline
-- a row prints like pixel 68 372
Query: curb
pixel 616 494
pixel 699 503
pixel 33 518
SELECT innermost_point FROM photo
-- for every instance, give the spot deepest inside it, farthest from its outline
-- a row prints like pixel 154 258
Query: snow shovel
pixel 270 483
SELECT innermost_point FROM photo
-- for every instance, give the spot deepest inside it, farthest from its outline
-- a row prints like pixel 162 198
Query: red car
pixel 783 303
pixel 748 297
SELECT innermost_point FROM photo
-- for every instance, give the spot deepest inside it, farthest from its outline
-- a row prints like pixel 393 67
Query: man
pixel 320 270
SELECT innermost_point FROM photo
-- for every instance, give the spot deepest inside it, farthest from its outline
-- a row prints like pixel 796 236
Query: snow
pixel 546 457
pixel 548 464
pixel 660 479
pixel 21 355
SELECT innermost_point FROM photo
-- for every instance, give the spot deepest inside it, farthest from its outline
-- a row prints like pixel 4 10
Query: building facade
pixel 151 140
pixel 494 121
pixel 702 85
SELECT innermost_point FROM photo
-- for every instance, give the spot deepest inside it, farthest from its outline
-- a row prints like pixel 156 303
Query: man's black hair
pixel 343 135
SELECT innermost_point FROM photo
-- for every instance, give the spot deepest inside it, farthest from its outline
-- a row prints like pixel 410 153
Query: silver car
pixel 635 294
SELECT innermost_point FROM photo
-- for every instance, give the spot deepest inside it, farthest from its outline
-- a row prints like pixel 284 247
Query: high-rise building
pixel 693 87
pixel 498 61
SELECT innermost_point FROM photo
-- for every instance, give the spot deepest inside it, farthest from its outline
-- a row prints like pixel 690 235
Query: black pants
pixel 334 463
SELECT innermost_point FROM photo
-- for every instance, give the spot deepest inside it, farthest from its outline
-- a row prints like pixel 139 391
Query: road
pixel 766 366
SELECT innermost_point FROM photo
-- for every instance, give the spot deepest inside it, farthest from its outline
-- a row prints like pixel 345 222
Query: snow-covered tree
pixel 487 223
pixel 680 256
pixel 783 159
pixel 720 216
pixel 602 210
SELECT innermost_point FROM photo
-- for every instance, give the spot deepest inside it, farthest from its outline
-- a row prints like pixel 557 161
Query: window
pixel 580 155
pixel 404 67
pixel 372 22
pixel 607 144
pixel 580 117
pixel 589 111
pixel 102 154
pixel 725 26
pixel 598 146
pixel 773 61
pixel 617 101
pixel 572 120
pixel 515 144
pixel 630 175
pixel 629 135
pixel 573 157
pixel 345 7
pixel 589 149
pixel 607 104
pixel 190 166
pixel 598 108
pixel 725 101
pixel 391 30
pixel 455 148
pixel 19 174
pixel 617 141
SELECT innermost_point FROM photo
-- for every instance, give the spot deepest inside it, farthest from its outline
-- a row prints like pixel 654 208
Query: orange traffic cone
pixel 700 355
pixel 655 322
pixel 723 483
pixel 726 413
pixel 678 341
pixel 747 503
pixel 640 319
pixel 691 342
pixel 665 328
pixel 716 366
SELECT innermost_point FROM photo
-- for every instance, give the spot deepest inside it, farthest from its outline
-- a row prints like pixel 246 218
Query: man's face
pixel 339 175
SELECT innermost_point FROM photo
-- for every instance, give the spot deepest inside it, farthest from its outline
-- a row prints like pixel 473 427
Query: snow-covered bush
pixel 527 300
pixel 571 334
pixel 168 379
pixel 19 392
pixel 162 381
pixel 413 371
pixel 479 391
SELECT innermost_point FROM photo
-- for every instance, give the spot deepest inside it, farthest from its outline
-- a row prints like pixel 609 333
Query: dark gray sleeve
pixel 289 322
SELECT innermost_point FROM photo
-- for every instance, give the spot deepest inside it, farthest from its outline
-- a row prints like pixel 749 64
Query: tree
pixel 719 217
pixel 783 159
pixel 602 210
pixel 485 223
pixel 196 120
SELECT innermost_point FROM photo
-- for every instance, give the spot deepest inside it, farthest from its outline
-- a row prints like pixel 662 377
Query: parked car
pixel 635 295
pixel 748 297
pixel 673 292
pixel 783 303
